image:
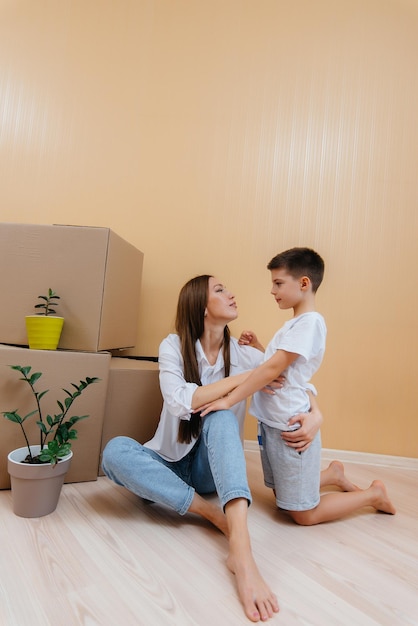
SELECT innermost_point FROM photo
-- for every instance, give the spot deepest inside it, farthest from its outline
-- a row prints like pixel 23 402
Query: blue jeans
pixel 216 463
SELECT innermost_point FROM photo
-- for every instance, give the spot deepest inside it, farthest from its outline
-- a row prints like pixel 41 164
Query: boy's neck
pixel 305 306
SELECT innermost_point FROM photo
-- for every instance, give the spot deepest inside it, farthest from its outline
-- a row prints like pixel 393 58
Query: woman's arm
pixel 182 397
pixel 208 393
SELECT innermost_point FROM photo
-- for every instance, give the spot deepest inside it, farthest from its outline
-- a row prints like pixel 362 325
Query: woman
pixel 189 456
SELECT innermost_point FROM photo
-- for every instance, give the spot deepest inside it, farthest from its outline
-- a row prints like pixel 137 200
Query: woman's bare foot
pixel 381 498
pixel 334 475
pixel 259 602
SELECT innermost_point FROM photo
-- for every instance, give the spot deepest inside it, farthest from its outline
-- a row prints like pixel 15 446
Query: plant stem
pixel 38 404
pixel 27 442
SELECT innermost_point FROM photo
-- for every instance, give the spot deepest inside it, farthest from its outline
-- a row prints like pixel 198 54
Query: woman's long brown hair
pixel 190 317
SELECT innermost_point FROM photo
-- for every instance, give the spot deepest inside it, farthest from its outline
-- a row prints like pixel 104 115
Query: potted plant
pixel 37 471
pixel 45 327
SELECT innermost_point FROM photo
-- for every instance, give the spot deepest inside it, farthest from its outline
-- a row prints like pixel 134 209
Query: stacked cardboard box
pixel 59 369
pixel 95 272
pixel 98 277
pixel 134 400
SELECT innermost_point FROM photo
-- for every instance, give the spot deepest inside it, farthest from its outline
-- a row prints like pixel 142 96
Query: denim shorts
pixel 295 476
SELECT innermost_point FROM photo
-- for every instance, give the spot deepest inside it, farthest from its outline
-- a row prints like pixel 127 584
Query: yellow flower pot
pixel 44 331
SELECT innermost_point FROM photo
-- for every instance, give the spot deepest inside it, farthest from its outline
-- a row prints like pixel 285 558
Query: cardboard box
pixel 59 369
pixel 94 271
pixel 134 401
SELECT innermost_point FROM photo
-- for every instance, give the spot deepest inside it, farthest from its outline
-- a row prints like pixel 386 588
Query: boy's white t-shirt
pixel 304 335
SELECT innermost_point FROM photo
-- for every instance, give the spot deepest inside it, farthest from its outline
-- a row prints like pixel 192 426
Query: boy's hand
pixel 249 338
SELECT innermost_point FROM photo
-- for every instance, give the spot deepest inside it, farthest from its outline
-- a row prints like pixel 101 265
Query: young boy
pixel 296 351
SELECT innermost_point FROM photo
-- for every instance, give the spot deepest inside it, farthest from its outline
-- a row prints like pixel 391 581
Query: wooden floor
pixel 105 558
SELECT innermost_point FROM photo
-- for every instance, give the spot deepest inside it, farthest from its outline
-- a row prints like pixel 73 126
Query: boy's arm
pixel 249 338
pixel 259 378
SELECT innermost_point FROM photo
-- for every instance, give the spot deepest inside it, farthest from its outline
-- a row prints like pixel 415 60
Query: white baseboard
pixel 348 456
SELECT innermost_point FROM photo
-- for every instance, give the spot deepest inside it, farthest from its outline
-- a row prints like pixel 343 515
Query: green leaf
pixel 35 376
pixel 90 381
pixel 12 416
pixel 64 450
pixel 76 418
pixel 35 412
pixel 42 427
pixel 68 402
pixel 23 370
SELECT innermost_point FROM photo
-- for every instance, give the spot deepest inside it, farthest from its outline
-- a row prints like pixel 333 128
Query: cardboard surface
pixel 133 402
pixel 95 272
pixel 59 369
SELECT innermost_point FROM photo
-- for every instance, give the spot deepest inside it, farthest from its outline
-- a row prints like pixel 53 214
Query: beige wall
pixel 212 135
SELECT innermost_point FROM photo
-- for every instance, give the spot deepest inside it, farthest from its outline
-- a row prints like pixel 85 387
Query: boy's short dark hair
pixel 300 262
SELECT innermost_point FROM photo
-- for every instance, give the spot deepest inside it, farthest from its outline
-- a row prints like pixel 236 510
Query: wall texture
pixel 212 135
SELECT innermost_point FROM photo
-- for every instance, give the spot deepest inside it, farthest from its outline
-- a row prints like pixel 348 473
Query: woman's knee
pixel 115 444
pixel 115 447
pixel 224 419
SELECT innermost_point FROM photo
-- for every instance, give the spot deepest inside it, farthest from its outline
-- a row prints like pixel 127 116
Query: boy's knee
pixel 303 518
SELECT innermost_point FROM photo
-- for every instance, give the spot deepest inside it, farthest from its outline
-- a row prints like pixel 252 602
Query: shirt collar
pixel 203 362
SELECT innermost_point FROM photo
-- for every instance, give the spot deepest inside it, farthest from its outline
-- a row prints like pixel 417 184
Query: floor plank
pixel 106 558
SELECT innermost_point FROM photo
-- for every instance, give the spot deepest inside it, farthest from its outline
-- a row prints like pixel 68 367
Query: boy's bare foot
pixel 381 498
pixel 334 474
pixel 259 602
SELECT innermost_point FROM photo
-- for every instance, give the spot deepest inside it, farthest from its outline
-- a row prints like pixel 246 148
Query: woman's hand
pixel 310 424
pixel 277 383
pixel 216 405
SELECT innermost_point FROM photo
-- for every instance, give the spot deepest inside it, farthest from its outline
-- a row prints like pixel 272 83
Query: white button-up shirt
pixel 178 394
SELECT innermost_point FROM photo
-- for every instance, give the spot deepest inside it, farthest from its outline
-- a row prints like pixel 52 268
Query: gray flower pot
pixel 36 488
